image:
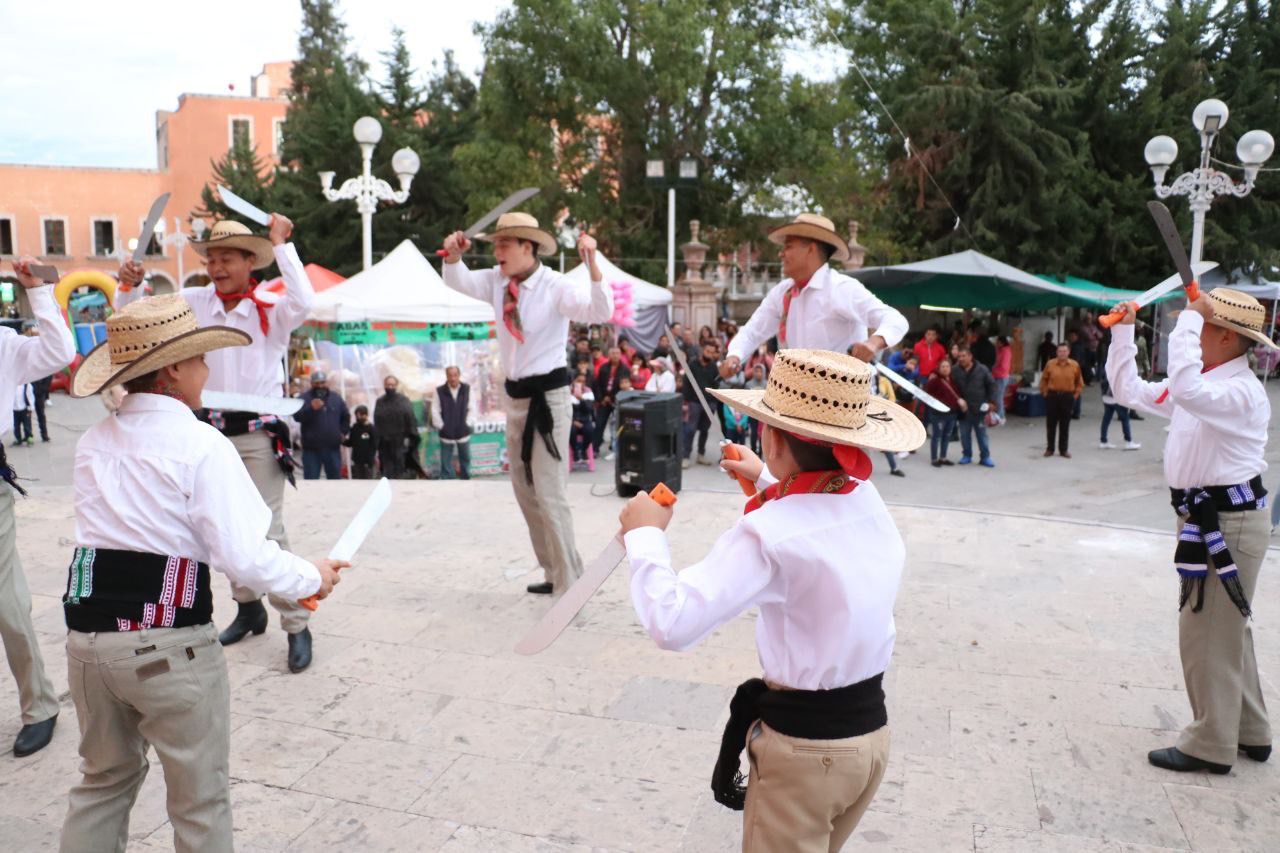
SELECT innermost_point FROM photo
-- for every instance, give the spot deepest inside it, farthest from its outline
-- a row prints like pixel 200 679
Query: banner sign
pixel 488 450
pixel 366 332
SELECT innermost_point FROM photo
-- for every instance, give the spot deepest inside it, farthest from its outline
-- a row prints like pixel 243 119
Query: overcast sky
pixel 82 79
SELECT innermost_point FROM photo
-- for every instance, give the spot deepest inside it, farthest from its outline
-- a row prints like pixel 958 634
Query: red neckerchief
pixel 855 467
pixel 1164 395
pixel 791 293
pixel 250 293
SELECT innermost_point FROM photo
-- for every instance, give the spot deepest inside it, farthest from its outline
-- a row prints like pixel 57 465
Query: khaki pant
pixel 260 461
pixel 807 796
pixel 1216 644
pixel 35 692
pixel 545 504
pixel 163 687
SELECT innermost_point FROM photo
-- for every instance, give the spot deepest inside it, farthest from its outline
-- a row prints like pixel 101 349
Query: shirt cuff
pixel 1191 321
pixel 766 479
pixel 648 545
pixel 1123 332
pixel 40 297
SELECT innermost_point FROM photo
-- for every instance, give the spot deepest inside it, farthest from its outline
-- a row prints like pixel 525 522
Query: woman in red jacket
pixel 941 425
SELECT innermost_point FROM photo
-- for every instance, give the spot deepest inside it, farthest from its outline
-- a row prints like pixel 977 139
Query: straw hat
pixel 147 335
pixel 229 234
pixel 522 226
pixel 811 226
pixel 1240 313
pixel 827 396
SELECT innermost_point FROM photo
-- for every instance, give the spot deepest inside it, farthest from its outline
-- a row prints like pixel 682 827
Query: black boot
pixel 544 588
pixel 250 617
pixel 1257 753
pixel 34 737
pixel 300 650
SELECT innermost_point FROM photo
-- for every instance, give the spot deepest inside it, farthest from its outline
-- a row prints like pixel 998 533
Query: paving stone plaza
pixel 1036 664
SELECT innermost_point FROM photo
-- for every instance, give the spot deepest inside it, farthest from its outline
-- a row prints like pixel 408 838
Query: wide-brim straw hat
pixel 229 234
pixel 826 396
pixel 521 226
pixel 147 335
pixel 1240 313
pixel 812 226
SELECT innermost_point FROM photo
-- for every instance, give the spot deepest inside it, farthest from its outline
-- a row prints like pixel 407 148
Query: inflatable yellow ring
pixel 71 282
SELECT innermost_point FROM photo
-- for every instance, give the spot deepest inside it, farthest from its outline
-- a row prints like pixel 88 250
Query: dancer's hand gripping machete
pixel 516 198
pixel 576 597
pixel 1185 278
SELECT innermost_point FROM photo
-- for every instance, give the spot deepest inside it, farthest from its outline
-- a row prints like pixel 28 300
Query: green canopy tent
pixel 971 279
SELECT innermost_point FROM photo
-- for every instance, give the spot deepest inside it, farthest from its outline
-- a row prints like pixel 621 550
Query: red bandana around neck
pixel 511 310
pixel 791 293
pixel 855 467
pixel 229 301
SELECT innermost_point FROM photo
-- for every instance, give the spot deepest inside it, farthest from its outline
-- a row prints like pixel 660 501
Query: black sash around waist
pixel 540 419
pixel 113 590
pixel 850 711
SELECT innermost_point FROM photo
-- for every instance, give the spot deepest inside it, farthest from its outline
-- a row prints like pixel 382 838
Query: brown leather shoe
pixel 1065 455
pixel 1048 453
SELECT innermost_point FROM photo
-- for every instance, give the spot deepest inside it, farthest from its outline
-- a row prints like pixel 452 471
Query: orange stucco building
pixel 82 217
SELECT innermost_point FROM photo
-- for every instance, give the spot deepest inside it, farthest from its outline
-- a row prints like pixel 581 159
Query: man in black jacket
pixel 704 370
pixel 978 390
pixel 325 421
pixel 396 425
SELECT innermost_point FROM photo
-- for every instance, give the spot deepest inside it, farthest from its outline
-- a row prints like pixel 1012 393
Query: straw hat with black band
pixel 1240 313
pixel 229 234
pixel 521 226
pixel 145 336
pixel 811 226
pixel 826 396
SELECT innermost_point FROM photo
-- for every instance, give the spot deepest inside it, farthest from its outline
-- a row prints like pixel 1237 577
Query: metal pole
pixel 366 205
pixel 671 237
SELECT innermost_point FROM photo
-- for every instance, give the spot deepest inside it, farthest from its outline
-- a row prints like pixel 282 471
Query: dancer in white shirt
pixel 232 253
pixel 820 556
pixel 1213 461
pixel 534 306
pixel 160 499
pixel 25 359
pixel 816 307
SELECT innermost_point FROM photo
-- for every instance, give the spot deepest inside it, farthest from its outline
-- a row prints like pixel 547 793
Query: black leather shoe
pixel 300 650
pixel 34 737
pixel 250 617
pixel 1257 753
pixel 1178 761
pixel 543 588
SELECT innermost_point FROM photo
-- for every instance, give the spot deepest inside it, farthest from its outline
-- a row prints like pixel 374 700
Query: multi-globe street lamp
pixel 1203 183
pixel 367 190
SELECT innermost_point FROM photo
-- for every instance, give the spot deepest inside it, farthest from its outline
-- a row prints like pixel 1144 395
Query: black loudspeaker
pixel 648 442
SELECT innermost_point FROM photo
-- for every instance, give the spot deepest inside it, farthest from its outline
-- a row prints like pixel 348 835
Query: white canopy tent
pixel 401 288
pixel 651 302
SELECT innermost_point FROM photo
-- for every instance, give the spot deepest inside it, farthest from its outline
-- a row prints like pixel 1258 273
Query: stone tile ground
pixel 1036 663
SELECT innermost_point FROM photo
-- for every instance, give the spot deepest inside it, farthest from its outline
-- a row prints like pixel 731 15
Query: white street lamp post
pixel 179 240
pixel 1202 184
pixel 655 172
pixel 367 190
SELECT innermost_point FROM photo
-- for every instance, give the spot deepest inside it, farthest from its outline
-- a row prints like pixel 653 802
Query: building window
pixel 55 237
pixel 104 236
pixel 162 146
pixel 241 131
pixel 277 136
pixel 6 237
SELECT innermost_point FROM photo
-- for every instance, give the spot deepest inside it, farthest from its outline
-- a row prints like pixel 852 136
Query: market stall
pixel 399 319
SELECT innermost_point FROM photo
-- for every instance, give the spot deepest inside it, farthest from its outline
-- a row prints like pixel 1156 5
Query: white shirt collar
pixel 153 403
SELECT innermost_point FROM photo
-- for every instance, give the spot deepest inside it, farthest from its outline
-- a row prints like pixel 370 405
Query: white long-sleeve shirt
pixel 823 569
pixel 24 359
pixel 23 397
pixel 663 383
pixel 152 478
pixel 833 312
pixel 547 302
pixel 257 368
pixel 437 420
pixel 1217 419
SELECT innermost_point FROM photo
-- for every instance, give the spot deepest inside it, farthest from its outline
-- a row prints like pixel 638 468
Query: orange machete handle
pixel 1106 321
pixel 1193 291
pixel 662 495
pixel 310 602
pixel 731 453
